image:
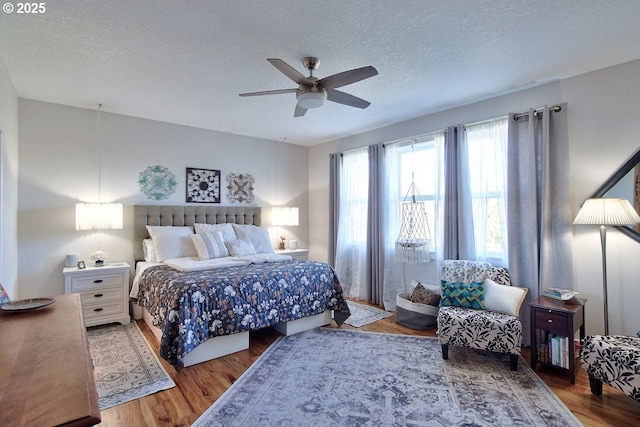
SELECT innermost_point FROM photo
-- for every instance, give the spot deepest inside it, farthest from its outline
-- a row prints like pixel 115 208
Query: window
pixel 483 160
pixel 486 146
pixel 420 161
pixel 480 192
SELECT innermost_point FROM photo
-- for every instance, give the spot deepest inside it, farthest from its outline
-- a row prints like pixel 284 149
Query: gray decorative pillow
pixel 209 245
pixel 422 295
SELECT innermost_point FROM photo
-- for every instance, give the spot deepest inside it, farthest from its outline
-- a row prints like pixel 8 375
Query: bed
pixel 201 309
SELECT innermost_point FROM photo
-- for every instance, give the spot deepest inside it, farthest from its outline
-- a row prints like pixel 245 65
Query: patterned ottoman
pixel 614 359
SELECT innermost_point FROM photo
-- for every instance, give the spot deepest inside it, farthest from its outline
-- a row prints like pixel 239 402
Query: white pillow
pixel 171 242
pixel 226 230
pixel 502 298
pixel 149 250
pixel 238 247
pixel 258 236
pixel 209 245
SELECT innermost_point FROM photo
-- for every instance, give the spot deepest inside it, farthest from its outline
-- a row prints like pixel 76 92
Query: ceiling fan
pixel 313 92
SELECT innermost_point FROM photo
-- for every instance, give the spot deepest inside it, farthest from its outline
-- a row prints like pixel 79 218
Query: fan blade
pixel 346 99
pixel 347 77
pixel 269 92
pixel 300 111
pixel 290 72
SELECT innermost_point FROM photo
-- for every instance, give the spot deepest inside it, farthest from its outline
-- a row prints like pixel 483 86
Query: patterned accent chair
pixel 615 360
pixel 479 329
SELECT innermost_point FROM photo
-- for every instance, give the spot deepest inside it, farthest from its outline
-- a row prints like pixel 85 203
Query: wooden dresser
pixel 46 375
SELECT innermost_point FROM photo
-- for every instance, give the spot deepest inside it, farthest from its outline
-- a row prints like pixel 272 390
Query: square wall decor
pixel 240 187
pixel 203 185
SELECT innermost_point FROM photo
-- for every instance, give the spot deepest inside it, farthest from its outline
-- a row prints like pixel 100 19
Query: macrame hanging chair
pixel 412 245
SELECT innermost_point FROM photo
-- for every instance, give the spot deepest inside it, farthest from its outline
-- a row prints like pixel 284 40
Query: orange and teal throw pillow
pixel 467 295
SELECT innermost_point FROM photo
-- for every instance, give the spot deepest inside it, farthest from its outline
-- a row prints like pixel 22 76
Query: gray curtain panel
pixel 538 204
pixel 458 223
pixel 375 227
pixel 334 205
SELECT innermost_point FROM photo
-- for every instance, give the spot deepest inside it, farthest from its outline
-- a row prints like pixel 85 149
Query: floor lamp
pixel 603 212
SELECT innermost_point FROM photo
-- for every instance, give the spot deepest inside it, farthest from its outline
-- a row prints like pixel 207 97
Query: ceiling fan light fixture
pixel 311 99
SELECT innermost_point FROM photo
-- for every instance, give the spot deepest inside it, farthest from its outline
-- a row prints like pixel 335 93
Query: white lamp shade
pixel 99 216
pixel 607 211
pixel 285 216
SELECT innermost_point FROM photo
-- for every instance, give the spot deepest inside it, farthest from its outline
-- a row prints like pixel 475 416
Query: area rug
pixel 125 367
pixel 337 377
pixel 364 314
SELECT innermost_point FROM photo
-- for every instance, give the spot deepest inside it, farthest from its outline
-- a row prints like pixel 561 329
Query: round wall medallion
pixel 157 182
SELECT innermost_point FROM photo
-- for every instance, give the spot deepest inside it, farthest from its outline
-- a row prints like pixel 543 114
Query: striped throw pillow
pixel 209 245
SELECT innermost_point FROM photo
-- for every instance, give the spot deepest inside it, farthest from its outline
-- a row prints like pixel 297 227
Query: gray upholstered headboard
pixel 187 215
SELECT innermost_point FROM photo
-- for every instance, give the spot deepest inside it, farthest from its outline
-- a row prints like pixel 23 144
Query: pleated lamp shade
pixel 283 215
pixel 607 211
pixel 99 216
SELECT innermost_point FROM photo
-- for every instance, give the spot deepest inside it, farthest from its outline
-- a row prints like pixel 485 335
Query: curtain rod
pixel 413 139
pixel 554 108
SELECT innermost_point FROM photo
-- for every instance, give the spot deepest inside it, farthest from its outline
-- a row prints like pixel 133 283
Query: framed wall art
pixel 240 187
pixel 203 185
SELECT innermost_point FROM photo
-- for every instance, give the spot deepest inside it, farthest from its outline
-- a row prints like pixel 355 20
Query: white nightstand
pixel 302 254
pixel 104 292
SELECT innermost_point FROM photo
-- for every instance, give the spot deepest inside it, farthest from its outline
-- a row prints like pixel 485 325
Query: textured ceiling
pixel 186 62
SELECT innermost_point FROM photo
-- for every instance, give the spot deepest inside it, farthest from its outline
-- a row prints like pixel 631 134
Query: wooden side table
pixel 553 316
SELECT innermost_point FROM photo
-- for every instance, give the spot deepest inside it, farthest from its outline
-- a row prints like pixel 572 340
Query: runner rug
pixel 336 377
pixel 364 314
pixel 125 366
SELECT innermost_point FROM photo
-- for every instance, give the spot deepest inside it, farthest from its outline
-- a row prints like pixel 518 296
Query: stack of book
pixel 558 349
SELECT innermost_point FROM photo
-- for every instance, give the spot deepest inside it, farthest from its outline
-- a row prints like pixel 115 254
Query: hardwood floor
pixel 198 386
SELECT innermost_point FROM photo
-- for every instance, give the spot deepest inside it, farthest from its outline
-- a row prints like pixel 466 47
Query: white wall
pixel 604 129
pixel 8 184
pixel 58 168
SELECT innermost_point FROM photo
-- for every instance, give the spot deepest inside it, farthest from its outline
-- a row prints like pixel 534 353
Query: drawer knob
pixel 550 321
pixel 98 309
pixel 98 295
pixel 97 281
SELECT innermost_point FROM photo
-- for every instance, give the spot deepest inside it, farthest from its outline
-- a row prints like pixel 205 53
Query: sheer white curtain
pixel 439 211
pixel 351 245
pixel 485 150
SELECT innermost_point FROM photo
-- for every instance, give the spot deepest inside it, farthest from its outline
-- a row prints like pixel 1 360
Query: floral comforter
pixel 191 307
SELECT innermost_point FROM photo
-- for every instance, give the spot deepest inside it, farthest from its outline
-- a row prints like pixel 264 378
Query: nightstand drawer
pixel 552 321
pixel 96 311
pixel 101 295
pixel 82 284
